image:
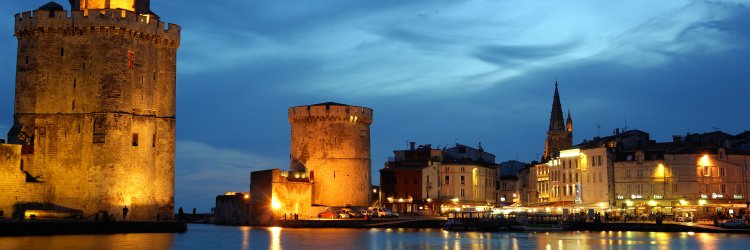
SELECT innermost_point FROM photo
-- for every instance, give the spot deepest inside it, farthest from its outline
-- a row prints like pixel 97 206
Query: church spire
pixel 569 123
pixel 556 122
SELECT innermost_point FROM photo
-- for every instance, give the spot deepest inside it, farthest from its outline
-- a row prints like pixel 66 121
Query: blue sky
pixel 436 72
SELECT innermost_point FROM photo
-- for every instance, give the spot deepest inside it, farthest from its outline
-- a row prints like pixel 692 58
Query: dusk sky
pixel 435 72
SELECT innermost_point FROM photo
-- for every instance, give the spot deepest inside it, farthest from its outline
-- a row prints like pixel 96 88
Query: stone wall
pixel 332 142
pixel 95 95
pixel 275 193
pixel 16 191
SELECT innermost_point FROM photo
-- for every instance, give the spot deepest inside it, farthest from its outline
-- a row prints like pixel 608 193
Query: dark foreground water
pixel 218 237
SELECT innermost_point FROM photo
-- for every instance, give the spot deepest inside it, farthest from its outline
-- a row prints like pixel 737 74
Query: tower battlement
pixel 330 112
pixel 97 21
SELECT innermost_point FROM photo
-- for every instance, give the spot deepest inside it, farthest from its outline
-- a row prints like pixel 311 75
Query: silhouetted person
pixel 193 211
pixel 125 212
pixel 180 213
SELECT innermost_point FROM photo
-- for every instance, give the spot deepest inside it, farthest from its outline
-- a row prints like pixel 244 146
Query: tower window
pixel 27 60
pixel 74 83
pixel 74 105
pixel 153 141
pixel 135 140
pixel 62 52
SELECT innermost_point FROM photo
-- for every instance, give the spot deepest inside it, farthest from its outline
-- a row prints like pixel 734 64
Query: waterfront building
pixel 507 190
pixel 329 165
pixel 277 195
pixel 409 180
pixel 232 208
pixel 433 179
pixel 468 176
pixel 94 120
pixel 526 185
pixel 331 142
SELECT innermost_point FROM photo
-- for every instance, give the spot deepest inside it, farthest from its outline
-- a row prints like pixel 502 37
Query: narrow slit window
pixel 153 141
pixel 135 140
pixel 62 52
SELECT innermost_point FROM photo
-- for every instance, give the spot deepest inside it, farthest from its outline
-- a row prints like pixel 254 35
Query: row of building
pixel 625 173
pixel 699 174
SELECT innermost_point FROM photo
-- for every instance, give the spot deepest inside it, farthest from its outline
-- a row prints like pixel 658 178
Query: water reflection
pixel 275 238
pixel 245 238
pixel 215 237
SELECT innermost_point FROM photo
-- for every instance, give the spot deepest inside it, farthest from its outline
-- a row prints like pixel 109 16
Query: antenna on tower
pixel 598 130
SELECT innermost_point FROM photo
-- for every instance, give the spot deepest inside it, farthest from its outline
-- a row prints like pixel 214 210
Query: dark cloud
pixel 511 55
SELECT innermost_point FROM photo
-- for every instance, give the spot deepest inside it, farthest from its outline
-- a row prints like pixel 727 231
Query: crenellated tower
pixel 331 142
pixel 560 133
pixel 95 107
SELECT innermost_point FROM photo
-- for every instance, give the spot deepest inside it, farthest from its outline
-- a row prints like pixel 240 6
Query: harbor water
pixel 225 237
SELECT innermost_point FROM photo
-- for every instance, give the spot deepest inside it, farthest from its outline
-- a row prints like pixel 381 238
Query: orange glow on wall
pixel 113 4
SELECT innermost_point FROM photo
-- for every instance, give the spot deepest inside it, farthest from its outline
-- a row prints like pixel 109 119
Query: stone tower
pixel 95 108
pixel 331 141
pixel 560 133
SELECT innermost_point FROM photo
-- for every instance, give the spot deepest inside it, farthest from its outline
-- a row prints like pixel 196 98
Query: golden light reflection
pixel 245 237
pixel 275 238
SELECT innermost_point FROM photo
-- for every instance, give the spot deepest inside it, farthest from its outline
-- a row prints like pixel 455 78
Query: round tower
pixel 95 107
pixel 331 141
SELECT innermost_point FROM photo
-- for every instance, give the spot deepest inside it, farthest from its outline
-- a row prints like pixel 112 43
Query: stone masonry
pixel 94 113
pixel 331 142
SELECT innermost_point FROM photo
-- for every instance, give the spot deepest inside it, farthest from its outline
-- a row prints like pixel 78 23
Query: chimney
pixel 412 145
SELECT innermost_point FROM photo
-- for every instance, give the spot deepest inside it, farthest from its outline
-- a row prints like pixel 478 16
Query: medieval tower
pixel 331 142
pixel 560 133
pixel 94 110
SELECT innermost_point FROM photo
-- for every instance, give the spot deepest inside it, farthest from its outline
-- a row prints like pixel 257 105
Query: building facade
pixel 94 111
pixel 278 195
pixel 331 142
pixel 232 208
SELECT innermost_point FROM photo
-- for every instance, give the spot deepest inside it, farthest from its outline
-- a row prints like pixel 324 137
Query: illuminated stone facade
pixel 331 142
pixel 94 111
pixel 275 193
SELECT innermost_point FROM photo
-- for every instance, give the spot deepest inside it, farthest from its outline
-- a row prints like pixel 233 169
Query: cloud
pixel 204 171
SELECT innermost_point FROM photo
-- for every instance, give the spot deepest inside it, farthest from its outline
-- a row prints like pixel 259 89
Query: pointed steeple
pixel 556 122
pixel 569 123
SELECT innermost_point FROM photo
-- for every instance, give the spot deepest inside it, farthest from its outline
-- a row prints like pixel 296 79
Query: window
pixel 131 59
pixel 447 180
pixel 739 189
pixel 640 172
pixel 627 173
pixel 640 189
pixel 153 140
pixel 708 188
pixel 723 189
pixel 462 180
pixel 706 171
pixel 462 193
pixel 722 172
pixel 135 140
pixel 62 52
